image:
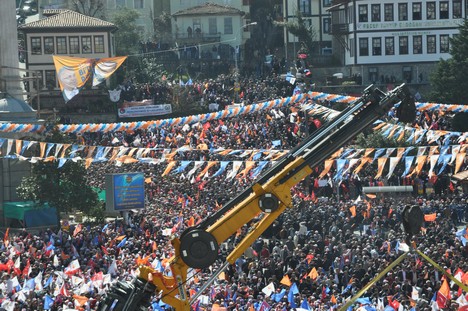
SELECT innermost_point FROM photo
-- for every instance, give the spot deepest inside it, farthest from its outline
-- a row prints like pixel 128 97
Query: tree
pixel 127 37
pixel 371 139
pixel 93 8
pixel 163 27
pixel 64 188
pixel 306 34
pixel 448 80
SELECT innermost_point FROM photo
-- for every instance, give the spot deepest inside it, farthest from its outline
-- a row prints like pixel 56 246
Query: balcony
pixel 197 38
pixel 339 29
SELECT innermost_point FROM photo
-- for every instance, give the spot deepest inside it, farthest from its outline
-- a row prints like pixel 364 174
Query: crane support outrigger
pixel 264 201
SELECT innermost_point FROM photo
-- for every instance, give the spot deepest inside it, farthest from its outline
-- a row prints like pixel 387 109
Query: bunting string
pixel 227 113
pixel 253 160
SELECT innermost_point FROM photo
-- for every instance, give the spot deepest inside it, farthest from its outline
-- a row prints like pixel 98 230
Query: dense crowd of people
pixel 329 246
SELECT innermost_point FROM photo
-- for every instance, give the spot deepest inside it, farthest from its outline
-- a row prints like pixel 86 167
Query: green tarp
pixel 31 214
pixel 17 210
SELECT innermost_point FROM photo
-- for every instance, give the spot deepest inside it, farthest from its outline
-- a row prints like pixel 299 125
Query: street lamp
pixel 236 55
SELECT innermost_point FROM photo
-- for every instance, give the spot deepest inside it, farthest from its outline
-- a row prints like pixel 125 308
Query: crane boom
pixel 268 197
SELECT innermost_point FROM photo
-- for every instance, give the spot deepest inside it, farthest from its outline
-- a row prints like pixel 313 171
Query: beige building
pixel 67 33
pixel 211 26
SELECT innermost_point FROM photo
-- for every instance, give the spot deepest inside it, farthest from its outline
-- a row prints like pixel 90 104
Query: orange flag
pixel 364 161
pixel 313 273
pixel 80 300
pixel 6 239
pixel 380 166
pixel 328 165
pixel 169 168
pixel 286 281
pixel 120 238
pixel 333 299
pixel 352 209
pixel 191 222
pixel 430 217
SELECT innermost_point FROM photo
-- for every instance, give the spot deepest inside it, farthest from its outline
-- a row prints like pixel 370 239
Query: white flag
pixel 269 289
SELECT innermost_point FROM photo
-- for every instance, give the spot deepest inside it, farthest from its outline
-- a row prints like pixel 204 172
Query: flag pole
pixel 451 277
pixel 373 281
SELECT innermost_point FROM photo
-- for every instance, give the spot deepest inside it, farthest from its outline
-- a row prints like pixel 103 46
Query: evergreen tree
pixel 448 81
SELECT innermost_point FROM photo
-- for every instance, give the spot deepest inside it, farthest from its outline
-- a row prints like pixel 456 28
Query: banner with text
pixel 142 109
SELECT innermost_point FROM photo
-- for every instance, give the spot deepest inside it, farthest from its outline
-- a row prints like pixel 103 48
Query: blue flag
pixel 48 302
pixel 276 143
pixel 122 243
pixel 363 301
pixel 292 291
pixel 305 304
pixel 278 296
pixel 49 281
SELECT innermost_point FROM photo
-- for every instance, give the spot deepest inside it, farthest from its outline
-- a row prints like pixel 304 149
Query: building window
pixel 36 46
pixel 351 47
pixel 402 11
pixel 49 45
pixel 431 44
pixel 417 11
pixel 431 10
pixel 138 4
pixel 61 45
pixel 457 8
pixel 99 44
pixel 363 13
pixel 373 74
pixel 327 2
pixel 304 7
pixel 407 74
pixel 376 46
pixel 86 45
pixel 417 44
pixel 228 25
pixel 444 10
pixel 363 47
pixel 444 44
pixel 389 46
pixel 212 26
pixel 197 27
pixel 326 24
pixel 74 43
pixel 403 45
pixel 375 12
pixel 388 12
pixel 120 3
pixel 50 79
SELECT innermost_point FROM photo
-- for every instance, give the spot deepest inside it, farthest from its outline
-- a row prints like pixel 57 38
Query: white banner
pixel 143 111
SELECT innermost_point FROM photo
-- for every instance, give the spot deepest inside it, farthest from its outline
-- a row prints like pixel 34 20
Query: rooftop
pixel 59 18
pixel 209 9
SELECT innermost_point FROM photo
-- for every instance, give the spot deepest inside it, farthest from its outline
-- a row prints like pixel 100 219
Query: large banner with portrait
pixel 74 72
pixel 105 67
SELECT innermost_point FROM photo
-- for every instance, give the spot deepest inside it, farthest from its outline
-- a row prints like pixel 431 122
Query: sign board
pixel 142 109
pixel 125 191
